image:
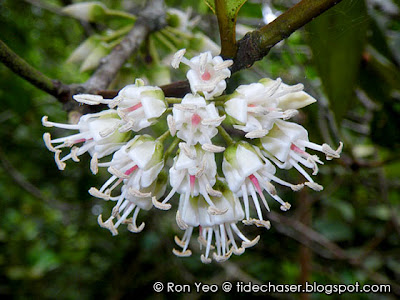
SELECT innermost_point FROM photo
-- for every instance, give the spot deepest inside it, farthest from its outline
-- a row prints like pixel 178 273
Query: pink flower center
pixel 206 76
pixel 196 119
pixel 129 171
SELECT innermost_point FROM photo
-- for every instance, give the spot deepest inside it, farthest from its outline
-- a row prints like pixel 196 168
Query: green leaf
pixel 337 40
pixel 226 11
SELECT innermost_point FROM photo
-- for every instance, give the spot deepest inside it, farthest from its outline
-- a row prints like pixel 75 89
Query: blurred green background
pixel 51 245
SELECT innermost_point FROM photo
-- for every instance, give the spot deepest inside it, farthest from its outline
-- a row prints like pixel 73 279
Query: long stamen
pixel 47 123
pixel 133 227
pixel 259 191
pixel 126 213
pixel 246 201
pixel 255 201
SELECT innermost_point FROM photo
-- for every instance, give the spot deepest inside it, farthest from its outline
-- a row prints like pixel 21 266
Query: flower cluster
pixel 212 199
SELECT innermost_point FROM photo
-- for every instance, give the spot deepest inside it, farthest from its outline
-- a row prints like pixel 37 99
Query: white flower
pixel 193 173
pixel 133 201
pixel 138 105
pixel 98 135
pixel 248 173
pixel 257 106
pixel 136 166
pixel 207 74
pixel 286 145
pixel 194 212
pixel 194 120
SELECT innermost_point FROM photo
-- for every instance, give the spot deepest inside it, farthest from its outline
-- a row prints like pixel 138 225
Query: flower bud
pixel 93 59
pixel 86 11
pixel 84 49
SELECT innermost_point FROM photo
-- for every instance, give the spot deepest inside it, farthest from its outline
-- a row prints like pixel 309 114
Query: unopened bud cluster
pixel 212 199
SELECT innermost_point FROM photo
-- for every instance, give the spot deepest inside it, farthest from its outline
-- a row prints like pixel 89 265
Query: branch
pixel 227 30
pixel 22 68
pixel 257 44
pixel 20 180
pixel 175 90
pixel 324 247
pixel 307 236
pixel 47 6
pixel 152 18
pixel 252 47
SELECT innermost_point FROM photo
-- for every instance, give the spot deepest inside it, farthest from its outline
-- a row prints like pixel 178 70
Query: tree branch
pixel 252 47
pixel 257 44
pixel 22 68
pixel 151 18
pixel 227 30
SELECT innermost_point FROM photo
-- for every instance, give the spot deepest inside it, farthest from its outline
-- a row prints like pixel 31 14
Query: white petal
pixel 152 107
pixel 248 161
pixel 142 153
pixel 237 108
pixel 295 100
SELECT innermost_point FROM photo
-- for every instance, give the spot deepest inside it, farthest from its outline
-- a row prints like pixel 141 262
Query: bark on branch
pixel 257 44
pixel 252 47
pixel 22 68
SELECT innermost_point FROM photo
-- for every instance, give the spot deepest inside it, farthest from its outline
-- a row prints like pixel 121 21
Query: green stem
pixel 257 44
pixel 171 36
pixel 163 137
pixel 220 101
pixel 153 51
pixel 162 39
pixel 179 32
pixel 225 135
pixel 227 30
pixel 117 33
pixel 172 100
pixel 171 148
pixel 118 13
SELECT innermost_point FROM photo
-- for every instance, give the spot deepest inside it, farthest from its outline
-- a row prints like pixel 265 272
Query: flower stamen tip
pixel 160 205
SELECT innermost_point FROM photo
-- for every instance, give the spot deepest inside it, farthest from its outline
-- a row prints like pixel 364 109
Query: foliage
pixel 51 245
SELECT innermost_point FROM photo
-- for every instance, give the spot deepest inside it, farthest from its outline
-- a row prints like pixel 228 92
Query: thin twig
pixel 47 6
pixel 326 248
pixel 152 18
pixel 28 186
pixel 257 44
pixel 254 46
pixel 26 71
pixel 307 236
